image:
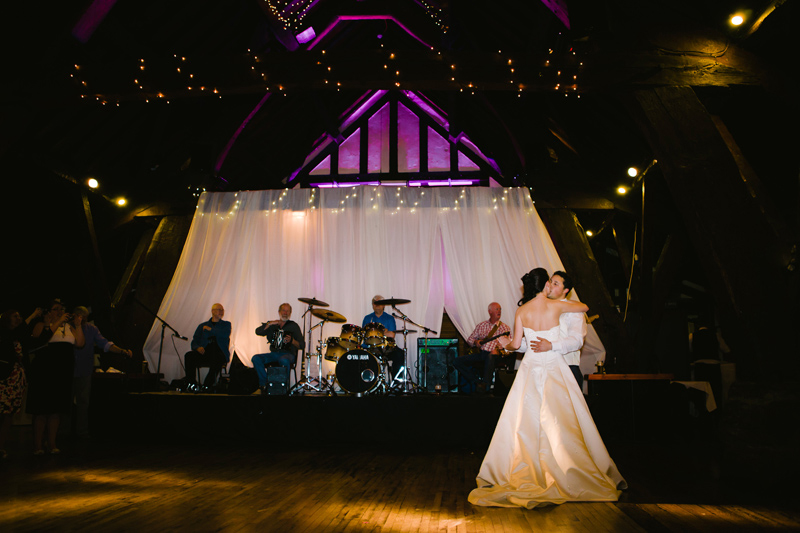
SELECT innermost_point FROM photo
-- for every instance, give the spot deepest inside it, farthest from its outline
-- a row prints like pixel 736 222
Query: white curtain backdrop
pixel 441 248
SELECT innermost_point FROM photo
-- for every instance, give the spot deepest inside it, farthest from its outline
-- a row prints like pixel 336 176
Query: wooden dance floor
pixel 136 478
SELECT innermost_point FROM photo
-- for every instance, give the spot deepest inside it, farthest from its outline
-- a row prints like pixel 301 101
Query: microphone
pixel 394 315
pixel 181 337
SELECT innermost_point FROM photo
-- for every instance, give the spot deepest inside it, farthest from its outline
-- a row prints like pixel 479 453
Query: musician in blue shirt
pixel 210 347
pixel 387 346
pixel 285 340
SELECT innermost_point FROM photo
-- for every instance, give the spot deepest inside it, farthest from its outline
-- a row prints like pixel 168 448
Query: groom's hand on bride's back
pixel 541 345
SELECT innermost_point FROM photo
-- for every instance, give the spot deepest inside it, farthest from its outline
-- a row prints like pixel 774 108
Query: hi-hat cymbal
pixel 313 301
pixel 330 316
pixel 392 301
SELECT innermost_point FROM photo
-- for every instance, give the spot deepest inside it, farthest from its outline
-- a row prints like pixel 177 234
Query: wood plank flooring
pixel 219 486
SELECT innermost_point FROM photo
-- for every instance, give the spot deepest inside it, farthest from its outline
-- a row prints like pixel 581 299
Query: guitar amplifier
pixel 435 360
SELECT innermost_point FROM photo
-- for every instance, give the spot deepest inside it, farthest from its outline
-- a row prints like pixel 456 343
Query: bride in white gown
pixel 545 448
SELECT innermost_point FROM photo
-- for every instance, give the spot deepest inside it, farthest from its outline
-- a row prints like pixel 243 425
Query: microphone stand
pixel 164 326
pixel 406 379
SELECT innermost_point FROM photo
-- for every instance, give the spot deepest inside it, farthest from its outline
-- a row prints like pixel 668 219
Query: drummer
pixel 393 353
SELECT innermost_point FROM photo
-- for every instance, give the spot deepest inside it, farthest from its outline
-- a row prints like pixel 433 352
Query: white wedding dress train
pixel 546 448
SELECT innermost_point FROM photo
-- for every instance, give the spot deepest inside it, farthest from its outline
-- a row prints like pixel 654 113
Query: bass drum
pixel 359 371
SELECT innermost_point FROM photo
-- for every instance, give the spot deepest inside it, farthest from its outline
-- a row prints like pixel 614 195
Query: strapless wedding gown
pixel 546 448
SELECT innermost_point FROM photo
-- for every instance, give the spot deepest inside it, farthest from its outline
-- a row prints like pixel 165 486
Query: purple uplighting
pixel 347 18
pixel 306 35
pixel 91 19
pixel 437 114
pixel 559 9
pixel 232 141
pixel 443 183
pixel 345 184
pixel 356 114
pixel 393 183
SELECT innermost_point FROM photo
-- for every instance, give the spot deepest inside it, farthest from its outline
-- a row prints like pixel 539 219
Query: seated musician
pixel 285 340
pixel 485 350
pixel 392 353
pixel 210 347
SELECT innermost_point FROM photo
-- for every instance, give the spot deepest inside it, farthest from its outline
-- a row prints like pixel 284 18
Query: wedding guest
pixel 14 334
pixel 51 368
pixel 84 368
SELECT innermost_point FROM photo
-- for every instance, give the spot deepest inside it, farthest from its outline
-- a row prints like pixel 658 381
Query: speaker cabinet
pixel 277 380
pixel 436 364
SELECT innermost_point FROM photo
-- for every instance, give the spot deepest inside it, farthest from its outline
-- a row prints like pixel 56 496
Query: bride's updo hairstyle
pixel 532 284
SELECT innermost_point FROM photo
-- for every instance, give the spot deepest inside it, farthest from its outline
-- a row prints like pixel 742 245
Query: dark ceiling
pixel 167 98
pixel 149 103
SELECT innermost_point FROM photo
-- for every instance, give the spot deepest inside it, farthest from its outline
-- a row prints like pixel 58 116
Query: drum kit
pixel 359 354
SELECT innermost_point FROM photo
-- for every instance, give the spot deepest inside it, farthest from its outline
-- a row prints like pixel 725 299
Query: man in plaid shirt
pixel 485 353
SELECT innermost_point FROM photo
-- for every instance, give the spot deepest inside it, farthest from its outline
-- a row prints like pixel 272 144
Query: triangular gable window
pixel 350 154
pixel 323 168
pixel 394 136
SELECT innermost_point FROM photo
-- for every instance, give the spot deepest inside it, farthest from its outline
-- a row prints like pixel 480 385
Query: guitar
pixel 476 349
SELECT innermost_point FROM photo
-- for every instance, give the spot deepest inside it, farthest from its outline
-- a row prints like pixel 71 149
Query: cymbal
pixel 313 301
pixel 330 316
pixel 392 301
pixel 405 330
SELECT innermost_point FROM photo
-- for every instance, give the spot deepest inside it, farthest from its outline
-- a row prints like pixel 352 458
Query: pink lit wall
pixel 407 140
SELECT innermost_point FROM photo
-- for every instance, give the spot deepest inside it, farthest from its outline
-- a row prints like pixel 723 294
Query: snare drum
pixel 374 334
pixel 359 371
pixel 351 335
pixel 334 349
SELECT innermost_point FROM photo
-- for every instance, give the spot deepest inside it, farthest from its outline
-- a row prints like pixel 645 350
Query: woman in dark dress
pixel 14 334
pixel 50 389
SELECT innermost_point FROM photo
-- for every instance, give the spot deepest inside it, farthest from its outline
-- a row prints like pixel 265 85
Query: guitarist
pixel 485 350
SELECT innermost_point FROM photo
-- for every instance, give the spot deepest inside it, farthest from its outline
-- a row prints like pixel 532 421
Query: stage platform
pixel 123 404
pixel 425 420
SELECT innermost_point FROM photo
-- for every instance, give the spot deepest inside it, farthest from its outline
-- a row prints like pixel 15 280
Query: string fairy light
pixel 556 66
